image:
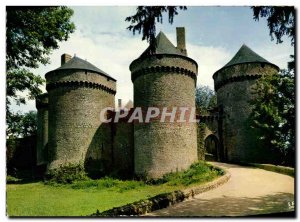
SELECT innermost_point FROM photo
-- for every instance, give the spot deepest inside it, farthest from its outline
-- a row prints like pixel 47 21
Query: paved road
pixel 249 191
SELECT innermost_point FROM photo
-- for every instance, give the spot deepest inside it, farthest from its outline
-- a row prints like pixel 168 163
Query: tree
pixel 274 106
pixel 22 125
pixel 19 80
pixel 274 114
pixel 281 20
pixel 31 34
pixel 205 98
pixel 145 20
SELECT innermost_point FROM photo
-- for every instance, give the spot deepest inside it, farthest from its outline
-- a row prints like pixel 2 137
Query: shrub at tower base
pixel 66 174
pixel 74 174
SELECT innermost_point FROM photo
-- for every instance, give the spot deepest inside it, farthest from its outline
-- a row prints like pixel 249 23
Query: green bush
pixel 66 174
pixel 198 172
pixel 108 182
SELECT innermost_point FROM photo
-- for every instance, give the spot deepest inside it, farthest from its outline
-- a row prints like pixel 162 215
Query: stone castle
pixel 70 131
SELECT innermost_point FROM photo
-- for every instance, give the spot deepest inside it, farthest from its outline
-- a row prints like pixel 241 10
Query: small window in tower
pixel 228 94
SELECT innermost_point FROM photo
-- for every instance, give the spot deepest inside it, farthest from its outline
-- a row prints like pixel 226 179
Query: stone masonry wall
pixel 42 132
pixel 123 148
pixel 207 126
pixel 80 75
pixel 42 142
pixel 160 148
pixel 76 134
pixel 234 87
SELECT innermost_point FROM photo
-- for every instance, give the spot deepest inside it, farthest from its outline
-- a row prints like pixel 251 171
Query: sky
pixel 213 36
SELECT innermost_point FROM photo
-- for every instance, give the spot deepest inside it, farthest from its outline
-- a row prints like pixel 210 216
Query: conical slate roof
pixel 246 55
pixel 163 46
pixel 78 63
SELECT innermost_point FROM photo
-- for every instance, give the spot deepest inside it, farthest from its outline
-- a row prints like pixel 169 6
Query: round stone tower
pixel 234 86
pixel 78 91
pixel 164 78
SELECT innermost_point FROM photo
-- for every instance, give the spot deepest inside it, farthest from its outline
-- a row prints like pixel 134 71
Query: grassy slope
pixel 84 198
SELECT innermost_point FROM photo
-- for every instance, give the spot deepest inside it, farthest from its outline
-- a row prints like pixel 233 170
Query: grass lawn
pixel 85 197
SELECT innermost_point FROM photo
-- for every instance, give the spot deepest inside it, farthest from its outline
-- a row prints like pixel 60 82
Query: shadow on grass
pixel 24 181
pixel 24 176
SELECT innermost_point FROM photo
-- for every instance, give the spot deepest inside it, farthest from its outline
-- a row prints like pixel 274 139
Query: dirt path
pixel 249 191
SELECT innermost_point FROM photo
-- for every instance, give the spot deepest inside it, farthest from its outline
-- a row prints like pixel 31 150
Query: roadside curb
pixel 270 167
pixel 191 192
pixel 163 200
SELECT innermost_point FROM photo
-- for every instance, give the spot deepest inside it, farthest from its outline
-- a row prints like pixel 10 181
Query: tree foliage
pixel 281 21
pixel 144 21
pixel 31 34
pixel 274 106
pixel 22 125
pixel 205 98
pixel 274 114
pixel 19 80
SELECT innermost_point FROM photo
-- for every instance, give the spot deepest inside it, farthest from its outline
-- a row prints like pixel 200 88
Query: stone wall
pixel 123 148
pixel 207 126
pixel 69 76
pixel 200 141
pixel 76 134
pixel 164 81
pixel 234 87
pixel 42 126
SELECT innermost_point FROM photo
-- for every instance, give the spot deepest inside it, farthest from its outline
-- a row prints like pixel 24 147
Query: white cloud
pixel 103 40
pixel 209 60
pixel 112 54
pixel 279 54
